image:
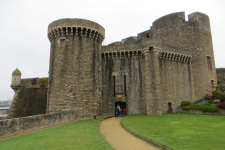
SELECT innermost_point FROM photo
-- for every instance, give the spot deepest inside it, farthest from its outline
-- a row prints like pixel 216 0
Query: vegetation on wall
pixel 212 102
pixel 30 101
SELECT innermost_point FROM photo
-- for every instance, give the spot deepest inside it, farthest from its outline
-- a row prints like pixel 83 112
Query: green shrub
pixel 210 101
pixel 222 97
pixel 205 108
pixel 185 103
pixel 209 108
pixel 218 94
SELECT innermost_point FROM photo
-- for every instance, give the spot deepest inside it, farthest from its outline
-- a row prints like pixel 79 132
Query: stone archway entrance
pixel 122 105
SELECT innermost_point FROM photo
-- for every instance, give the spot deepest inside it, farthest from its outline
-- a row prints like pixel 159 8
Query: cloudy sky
pixel 23 36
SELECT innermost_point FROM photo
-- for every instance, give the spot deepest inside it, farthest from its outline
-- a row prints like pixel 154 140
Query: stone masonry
pixel 75 66
pixel 151 73
pixel 170 63
pixel 220 72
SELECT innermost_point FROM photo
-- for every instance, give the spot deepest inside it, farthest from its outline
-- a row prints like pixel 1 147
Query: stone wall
pixel 166 64
pixel 39 87
pixel 220 72
pixel 14 126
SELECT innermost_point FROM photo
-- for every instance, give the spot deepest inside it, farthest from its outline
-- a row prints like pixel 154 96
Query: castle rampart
pixel 151 73
pixel 183 64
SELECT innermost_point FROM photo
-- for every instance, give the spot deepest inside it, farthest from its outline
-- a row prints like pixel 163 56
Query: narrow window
pixel 212 83
pixel 114 83
pixel 62 41
pixel 99 89
pixel 209 63
pixel 169 105
pixel 125 89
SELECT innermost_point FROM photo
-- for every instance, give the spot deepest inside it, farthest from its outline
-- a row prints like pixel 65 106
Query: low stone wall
pixel 219 112
pixel 14 126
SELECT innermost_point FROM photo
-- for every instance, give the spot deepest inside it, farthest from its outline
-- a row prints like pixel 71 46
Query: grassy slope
pixel 180 131
pixel 82 135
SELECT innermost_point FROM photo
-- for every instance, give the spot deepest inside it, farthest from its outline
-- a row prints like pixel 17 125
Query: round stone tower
pixel 75 71
pixel 16 77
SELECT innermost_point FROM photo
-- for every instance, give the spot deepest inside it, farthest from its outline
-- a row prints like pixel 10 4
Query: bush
pixel 218 94
pixel 210 108
pixel 220 81
pixel 221 105
pixel 217 101
pixel 222 97
pixel 221 87
pixel 185 103
pixel 210 101
pixel 205 108
pixel 208 95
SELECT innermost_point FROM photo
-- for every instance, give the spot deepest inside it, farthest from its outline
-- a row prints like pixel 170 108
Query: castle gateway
pixel 151 73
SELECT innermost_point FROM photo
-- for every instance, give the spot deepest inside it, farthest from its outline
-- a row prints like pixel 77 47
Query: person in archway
pixel 117 112
pixel 124 111
pixel 118 106
pixel 121 112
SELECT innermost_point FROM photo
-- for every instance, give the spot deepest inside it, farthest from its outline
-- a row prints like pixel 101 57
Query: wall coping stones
pixel 9 127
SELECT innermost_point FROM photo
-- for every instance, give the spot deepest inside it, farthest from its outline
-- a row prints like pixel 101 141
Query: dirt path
pixel 119 138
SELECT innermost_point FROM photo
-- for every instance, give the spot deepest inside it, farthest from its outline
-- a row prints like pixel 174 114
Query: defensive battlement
pixel 178 18
pixel 78 27
pixel 170 56
pixel 200 18
pixel 197 22
pixel 170 19
pixel 174 57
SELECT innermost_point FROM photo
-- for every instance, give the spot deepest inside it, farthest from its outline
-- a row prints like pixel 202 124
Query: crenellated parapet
pixel 122 54
pixel 76 27
pixel 75 31
pixel 170 56
pixel 174 57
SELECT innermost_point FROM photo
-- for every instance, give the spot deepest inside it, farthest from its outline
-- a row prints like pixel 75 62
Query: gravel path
pixel 119 138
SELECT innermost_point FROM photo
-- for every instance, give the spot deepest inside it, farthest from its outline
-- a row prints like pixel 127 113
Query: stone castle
pixel 151 73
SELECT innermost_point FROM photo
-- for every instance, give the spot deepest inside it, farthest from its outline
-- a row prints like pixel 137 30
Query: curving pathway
pixel 119 138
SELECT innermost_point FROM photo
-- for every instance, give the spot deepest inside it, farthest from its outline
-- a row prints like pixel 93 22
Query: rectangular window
pixel 62 41
pixel 209 62
pixel 212 83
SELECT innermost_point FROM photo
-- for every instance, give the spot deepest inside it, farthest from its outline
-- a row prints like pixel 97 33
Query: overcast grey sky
pixel 24 23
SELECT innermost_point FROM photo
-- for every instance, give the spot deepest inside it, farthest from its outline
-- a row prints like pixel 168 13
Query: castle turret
pixel 16 77
pixel 75 73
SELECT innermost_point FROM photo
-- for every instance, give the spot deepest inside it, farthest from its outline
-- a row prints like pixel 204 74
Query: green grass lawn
pixel 180 131
pixel 81 135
